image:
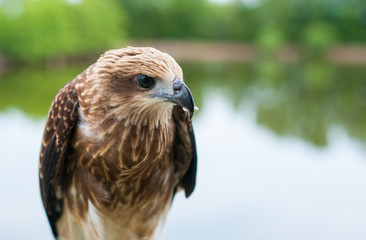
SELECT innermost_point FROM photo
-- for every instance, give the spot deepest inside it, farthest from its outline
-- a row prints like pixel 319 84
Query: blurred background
pixel 281 87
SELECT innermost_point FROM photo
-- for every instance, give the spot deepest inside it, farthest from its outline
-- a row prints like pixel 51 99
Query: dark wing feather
pixel 185 153
pixel 189 179
pixel 61 121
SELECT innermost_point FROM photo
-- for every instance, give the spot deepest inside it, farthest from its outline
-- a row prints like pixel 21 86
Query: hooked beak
pixel 182 96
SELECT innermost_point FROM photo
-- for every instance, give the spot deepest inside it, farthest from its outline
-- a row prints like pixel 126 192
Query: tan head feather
pixel 108 88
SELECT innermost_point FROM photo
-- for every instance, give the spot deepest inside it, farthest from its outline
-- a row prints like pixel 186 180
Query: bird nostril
pixel 177 85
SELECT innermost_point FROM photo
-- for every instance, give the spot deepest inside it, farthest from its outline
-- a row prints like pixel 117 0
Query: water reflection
pixel 252 184
pixel 296 99
pixel 32 90
pixel 303 100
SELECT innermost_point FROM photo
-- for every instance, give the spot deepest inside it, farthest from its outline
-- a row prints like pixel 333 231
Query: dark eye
pixel 145 81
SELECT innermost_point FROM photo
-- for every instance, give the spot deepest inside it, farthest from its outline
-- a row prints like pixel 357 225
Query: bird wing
pixel 185 153
pixel 61 121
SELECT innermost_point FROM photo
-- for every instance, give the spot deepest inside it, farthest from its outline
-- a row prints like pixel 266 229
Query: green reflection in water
pixel 302 100
pixel 32 90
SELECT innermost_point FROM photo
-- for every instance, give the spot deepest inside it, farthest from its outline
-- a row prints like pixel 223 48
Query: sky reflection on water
pixel 252 183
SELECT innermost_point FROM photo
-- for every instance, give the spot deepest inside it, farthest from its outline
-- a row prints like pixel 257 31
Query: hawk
pixel 117 146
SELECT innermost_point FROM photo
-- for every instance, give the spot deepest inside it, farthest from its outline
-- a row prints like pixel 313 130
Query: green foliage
pixel 270 39
pixel 166 18
pixel 46 29
pixel 35 30
pixel 313 24
pixel 319 36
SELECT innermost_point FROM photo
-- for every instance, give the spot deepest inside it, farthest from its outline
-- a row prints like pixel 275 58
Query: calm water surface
pixel 281 152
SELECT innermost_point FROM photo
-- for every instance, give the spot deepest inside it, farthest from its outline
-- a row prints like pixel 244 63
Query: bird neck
pixel 131 139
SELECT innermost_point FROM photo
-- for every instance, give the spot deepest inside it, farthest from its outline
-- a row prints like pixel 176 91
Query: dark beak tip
pixel 189 103
pixel 184 98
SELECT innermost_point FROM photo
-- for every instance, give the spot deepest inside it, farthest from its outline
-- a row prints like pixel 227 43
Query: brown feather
pixel 120 154
pixel 62 118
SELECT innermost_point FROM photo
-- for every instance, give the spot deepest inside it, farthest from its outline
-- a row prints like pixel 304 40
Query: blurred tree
pixel 166 18
pixel 41 29
pixel 45 29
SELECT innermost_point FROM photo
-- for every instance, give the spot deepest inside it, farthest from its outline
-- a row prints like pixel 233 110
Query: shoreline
pixel 243 52
pixel 184 50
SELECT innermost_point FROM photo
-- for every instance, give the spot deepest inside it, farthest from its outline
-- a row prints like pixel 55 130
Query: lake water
pixel 281 150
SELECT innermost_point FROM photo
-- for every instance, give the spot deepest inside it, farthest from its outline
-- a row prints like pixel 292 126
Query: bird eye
pixel 145 81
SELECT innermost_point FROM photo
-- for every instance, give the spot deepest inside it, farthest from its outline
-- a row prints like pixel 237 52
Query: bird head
pixel 133 81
